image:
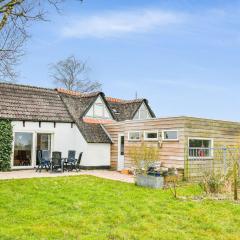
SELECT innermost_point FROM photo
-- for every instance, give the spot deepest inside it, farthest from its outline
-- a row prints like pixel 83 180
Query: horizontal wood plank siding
pixel 171 153
pixel 222 132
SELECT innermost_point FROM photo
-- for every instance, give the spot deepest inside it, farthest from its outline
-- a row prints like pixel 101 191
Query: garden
pixel 86 207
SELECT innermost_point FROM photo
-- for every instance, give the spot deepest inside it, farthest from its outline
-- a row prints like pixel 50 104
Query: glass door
pixel 43 142
pixel 120 165
pixel 23 149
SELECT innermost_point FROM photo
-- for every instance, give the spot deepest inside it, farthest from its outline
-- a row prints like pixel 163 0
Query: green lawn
pixel 85 207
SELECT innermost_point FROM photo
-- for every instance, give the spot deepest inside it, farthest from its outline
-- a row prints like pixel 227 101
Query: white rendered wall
pixel 98 155
pixel 64 138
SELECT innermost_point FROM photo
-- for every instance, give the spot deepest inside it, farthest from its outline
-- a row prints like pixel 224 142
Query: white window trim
pixel 138 113
pixel 199 138
pixel 104 110
pixel 33 153
pixel 134 140
pixel 150 139
pixel 34 146
pixel 170 140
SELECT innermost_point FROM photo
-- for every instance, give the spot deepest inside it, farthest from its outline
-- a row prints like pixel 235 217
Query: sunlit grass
pixel 86 207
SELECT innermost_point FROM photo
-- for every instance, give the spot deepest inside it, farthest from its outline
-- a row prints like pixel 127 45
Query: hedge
pixel 6 138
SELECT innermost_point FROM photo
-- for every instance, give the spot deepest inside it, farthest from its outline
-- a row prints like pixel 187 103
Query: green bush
pixel 6 137
pixel 143 156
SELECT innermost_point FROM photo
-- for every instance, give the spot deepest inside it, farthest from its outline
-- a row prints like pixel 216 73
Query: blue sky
pixel 183 55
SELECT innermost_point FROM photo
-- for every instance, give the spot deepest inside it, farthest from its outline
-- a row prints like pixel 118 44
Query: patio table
pixel 67 165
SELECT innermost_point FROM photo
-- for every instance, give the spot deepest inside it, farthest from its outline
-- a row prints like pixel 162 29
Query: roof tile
pixel 20 102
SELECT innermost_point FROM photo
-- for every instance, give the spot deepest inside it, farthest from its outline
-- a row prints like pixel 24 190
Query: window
pixel 200 147
pixel 151 135
pixel 23 143
pixel 43 141
pixel 122 146
pixel 170 135
pixel 99 110
pixel 134 136
pixel 142 113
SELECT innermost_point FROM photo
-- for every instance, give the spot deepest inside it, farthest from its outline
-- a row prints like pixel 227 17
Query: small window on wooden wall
pixel 134 136
pixel 170 135
pixel 151 135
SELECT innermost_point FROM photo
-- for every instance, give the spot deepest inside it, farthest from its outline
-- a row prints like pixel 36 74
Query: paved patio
pixel 113 175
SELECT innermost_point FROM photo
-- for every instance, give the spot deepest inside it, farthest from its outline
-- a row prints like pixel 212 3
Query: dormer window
pixel 99 110
pixel 115 111
pixel 142 113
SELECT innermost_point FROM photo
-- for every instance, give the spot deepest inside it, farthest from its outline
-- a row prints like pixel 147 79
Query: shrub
pixel 6 137
pixel 143 157
pixel 213 182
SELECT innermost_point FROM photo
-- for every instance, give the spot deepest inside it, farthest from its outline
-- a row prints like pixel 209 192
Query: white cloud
pixel 112 24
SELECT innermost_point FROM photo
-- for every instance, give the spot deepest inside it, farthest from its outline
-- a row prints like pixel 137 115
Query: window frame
pixel 105 112
pixel 170 140
pixel 134 140
pixel 33 149
pixel 137 114
pixel 199 138
pixel 150 139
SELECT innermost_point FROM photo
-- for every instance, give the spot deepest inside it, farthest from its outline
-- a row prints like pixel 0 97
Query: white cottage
pixel 62 120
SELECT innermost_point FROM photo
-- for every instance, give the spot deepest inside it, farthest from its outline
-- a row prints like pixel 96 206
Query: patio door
pixel 121 153
pixel 43 142
pixel 23 149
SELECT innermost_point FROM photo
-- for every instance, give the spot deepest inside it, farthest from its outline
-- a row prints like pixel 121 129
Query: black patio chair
pixel 70 160
pixel 56 162
pixel 77 163
pixel 44 160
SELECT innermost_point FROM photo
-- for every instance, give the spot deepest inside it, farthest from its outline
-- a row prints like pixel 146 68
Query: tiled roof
pixel 93 133
pixel 20 102
pixel 126 109
pixel 111 99
pixel 75 93
pixel 77 106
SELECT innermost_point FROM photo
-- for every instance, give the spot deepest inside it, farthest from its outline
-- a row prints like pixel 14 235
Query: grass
pixel 86 207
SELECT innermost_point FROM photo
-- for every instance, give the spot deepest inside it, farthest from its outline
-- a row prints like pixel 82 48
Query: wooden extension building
pixel 172 135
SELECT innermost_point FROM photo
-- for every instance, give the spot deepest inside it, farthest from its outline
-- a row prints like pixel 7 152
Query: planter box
pixel 149 181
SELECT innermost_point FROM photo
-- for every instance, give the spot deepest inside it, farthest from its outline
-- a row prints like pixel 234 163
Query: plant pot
pixel 125 171
pixel 149 181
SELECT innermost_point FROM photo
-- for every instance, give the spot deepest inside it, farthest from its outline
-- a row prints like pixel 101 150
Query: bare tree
pixel 72 74
pixel 11 49
pixel 15 18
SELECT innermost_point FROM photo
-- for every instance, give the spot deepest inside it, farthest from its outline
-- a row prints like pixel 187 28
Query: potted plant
pixel 146 163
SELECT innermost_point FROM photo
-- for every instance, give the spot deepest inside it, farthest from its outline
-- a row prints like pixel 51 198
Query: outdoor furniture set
pixel 56 162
